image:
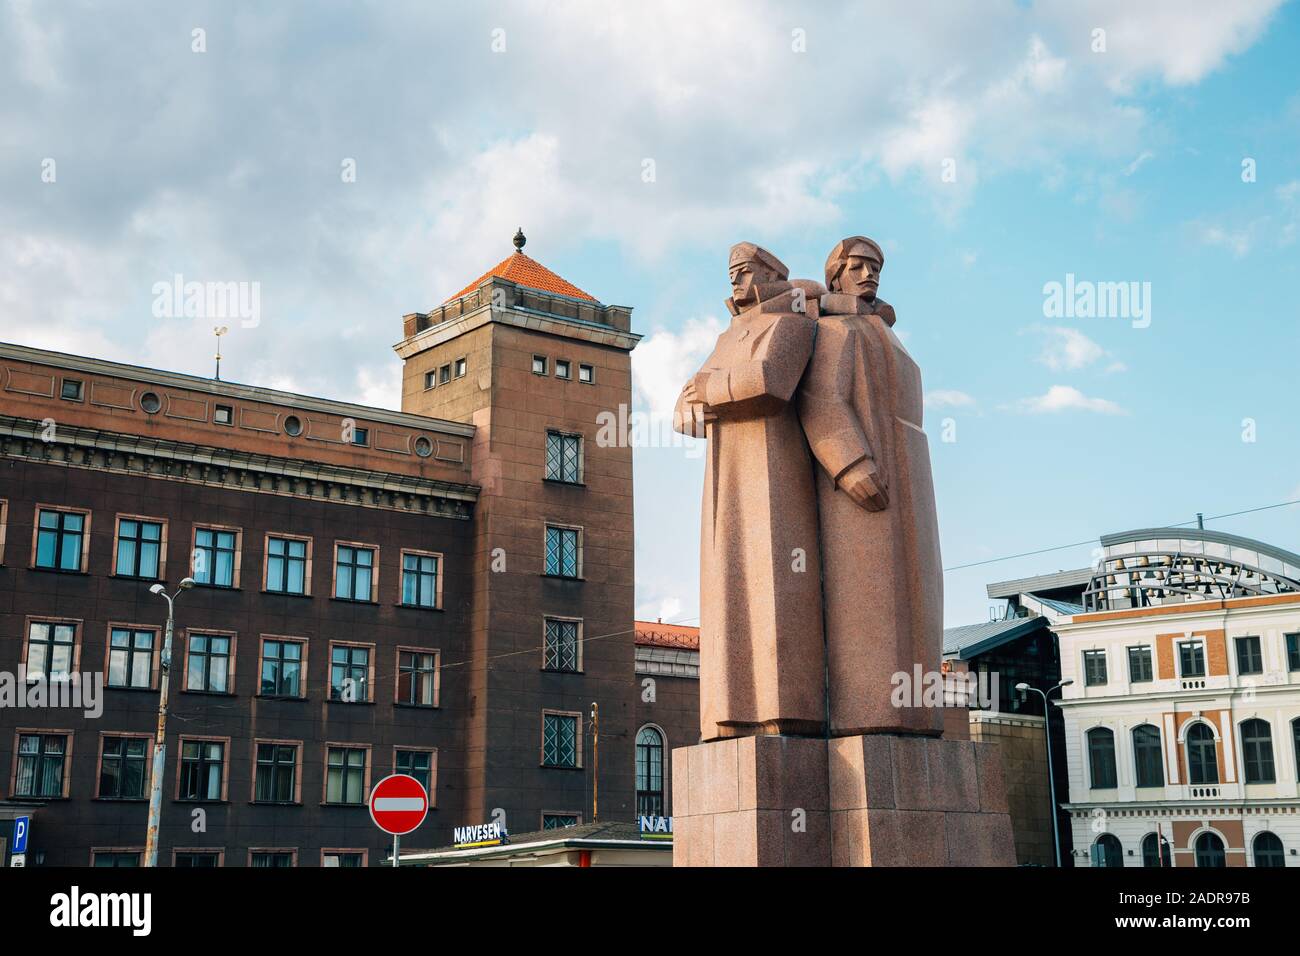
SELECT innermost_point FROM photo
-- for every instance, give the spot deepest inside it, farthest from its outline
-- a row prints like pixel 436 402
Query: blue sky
pixel 791 125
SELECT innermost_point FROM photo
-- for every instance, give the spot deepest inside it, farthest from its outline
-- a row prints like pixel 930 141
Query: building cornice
pixel 115 452
pixel 252 393
pixel 1188 697
pixel 592 332
pixel 1168 614
pixel 1252 806
pixel 502 301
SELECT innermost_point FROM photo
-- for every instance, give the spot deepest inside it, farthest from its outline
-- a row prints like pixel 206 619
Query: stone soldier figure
pixel 860 404
pixel 761 652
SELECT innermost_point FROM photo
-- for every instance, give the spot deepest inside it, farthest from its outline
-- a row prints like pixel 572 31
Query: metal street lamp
pixel 1051 777
pixel 160 739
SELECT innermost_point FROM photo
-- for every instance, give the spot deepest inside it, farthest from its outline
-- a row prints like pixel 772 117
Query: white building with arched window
pixel 1182 723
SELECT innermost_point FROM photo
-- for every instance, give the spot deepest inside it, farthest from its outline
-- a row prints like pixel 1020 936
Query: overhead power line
pixel 1079 544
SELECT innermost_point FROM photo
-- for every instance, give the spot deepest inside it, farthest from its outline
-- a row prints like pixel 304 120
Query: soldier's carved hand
pixel 866 486
pixel 693 398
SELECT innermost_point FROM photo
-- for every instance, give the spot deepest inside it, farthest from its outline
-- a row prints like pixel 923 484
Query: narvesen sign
pixel 481 834
pixel 655 828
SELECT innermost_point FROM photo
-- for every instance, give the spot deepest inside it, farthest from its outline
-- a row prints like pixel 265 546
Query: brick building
pixel 446 590
pixel 667 707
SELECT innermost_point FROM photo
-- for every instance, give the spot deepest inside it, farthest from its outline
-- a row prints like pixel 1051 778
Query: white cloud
pixel 664 360
pixel 1238 241
pixel 1065 398
pixel 666 609
pixel 947 398
pixel 1067 350
pixel 226 164
pixel 1177 40
pixel 1134 166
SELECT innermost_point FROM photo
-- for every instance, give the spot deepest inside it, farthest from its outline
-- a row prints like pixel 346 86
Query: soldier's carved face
pixel 745 278
pixel 861 275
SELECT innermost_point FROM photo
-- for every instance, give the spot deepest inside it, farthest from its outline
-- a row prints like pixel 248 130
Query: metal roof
pixel 1041 582
pixel 588 836
pixel 1201 534
pixel 1060 607
pixel 968 640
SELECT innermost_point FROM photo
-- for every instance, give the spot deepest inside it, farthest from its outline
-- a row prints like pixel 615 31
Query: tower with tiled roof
pixel 534 362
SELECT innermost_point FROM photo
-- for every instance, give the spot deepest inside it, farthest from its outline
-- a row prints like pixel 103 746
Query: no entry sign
pixel 398 804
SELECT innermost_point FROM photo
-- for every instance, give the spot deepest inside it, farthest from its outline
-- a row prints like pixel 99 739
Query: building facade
pixel 667 708
pixel 1183 719
pixel 445 591
pixel 1018 646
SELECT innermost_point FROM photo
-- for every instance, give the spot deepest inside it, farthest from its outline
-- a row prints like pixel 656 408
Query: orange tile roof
pixel 658 634
pixel 524 270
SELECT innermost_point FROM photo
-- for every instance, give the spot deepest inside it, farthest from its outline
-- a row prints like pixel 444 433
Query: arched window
pixel 1101 758
pixel 649 772
pixel 1148 763
pixel 1257 748
pixel 1202 759
pixel 1268 850
pixel 1209 851
pixel 1152 857
pixel 1107 851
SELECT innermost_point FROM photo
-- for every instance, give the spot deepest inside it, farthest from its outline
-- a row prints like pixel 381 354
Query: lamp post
pixel 160 739
pixel 595 762
pixel 1051 777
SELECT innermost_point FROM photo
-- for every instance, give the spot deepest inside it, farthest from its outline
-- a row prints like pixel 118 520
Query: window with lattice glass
pixel 559 740
pixel 207 666
pixel 282 669
pixel 130 658
pixel 562 552
pixel 59 539
pixel 41 765
pixel 50 650
pixel 417 764
pixel 561 645
pixel 420 580
pixel 354 573
pixel 202 769
pixel 1139 665
pixel 213 560
pixel 345 780
pixel 349 673
pixel 139 548
pixel 277 769
pixel 1094 668
pixel 416 676
pixel 122 771
pixel 649 772
pixel 286 565
pixel 563 457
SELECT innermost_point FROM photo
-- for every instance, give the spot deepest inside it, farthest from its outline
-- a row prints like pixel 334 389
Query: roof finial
pixel 519 239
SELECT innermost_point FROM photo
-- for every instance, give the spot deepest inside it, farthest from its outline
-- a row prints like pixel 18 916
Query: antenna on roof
pixel 219 331
pixel 519 239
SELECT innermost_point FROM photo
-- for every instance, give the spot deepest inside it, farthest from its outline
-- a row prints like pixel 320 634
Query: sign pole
pixel 397 844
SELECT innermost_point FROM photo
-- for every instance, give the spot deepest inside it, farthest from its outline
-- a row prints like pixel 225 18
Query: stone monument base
pixel 874 800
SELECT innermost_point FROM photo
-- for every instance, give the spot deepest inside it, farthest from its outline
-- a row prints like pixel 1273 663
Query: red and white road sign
pixel 398 804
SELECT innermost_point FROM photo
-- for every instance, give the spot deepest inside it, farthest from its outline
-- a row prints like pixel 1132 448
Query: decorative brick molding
pixel 200 464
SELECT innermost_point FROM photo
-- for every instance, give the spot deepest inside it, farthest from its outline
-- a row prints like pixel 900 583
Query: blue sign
pixel 22 826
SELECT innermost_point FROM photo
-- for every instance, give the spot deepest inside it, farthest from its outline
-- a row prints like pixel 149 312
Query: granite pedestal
pixel 874 800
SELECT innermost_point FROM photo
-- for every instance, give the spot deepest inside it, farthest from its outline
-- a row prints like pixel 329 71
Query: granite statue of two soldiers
pixel 820 576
